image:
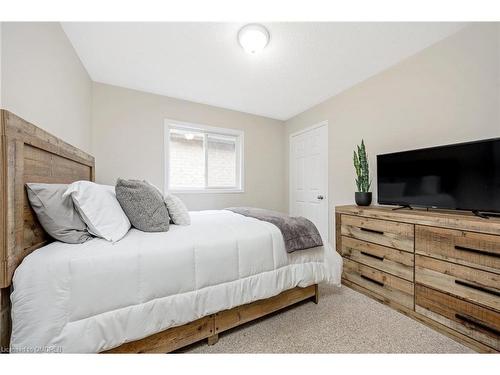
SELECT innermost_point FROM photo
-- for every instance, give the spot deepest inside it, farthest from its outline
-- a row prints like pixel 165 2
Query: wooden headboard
pixel 30 154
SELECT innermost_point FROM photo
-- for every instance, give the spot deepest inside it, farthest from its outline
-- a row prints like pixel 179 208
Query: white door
pixel 309 176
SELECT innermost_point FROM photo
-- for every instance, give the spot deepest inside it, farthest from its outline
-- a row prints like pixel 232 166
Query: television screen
pixel 463 176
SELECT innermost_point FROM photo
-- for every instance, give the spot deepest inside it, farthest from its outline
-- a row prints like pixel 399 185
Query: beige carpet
pixel 344 321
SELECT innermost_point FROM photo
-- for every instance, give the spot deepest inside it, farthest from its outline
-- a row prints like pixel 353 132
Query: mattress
pixel 98 295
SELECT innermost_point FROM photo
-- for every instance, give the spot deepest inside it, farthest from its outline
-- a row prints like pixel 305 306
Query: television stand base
pixel 403 207
pixel 480 214
pixel 485 215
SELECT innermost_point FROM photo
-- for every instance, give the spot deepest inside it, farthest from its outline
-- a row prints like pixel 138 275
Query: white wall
pixel 127 141
pixel 44 82
pixel 447 93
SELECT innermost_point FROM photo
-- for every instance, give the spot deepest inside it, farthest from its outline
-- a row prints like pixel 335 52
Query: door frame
pixel 327 193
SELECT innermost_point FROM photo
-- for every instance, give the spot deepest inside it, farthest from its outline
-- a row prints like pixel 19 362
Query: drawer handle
pixel 372 231
pixel 477 251
pixel 477 323
pixel 372 255
pixel 478 287
pixel 372 280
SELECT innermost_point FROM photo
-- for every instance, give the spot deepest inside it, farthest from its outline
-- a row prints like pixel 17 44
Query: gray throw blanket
pixel 298 232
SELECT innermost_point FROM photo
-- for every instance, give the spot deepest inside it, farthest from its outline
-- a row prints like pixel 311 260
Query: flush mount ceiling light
pixel 253 38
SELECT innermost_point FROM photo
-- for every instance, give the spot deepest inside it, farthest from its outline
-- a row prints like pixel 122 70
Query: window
pixel 202 158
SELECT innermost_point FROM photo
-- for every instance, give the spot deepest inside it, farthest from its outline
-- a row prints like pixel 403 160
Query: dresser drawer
pixel 477 322
pixel 467 248
pixel 393 261
pixel 382 232
pixel 387 286
pixel 471 284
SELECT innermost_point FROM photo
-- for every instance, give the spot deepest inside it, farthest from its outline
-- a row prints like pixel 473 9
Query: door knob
pixel 320 197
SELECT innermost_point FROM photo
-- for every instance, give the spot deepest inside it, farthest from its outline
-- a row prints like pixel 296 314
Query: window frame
pixel 240 144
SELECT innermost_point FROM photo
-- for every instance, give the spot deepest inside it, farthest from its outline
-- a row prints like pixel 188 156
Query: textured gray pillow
pixel 143 204
pixel 56 213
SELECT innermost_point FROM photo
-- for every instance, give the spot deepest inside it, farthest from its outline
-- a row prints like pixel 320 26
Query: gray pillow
pixel 56 213
pixel 143 204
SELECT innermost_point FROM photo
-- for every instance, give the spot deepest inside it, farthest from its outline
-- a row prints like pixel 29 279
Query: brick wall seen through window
pixel 203 160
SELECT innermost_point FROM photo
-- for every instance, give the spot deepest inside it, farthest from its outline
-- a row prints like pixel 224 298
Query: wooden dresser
pixel 441 268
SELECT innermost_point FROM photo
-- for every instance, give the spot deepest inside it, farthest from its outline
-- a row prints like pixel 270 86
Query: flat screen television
pixel 463 176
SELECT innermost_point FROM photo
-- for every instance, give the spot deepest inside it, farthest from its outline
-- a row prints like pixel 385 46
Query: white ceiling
pixel 303 65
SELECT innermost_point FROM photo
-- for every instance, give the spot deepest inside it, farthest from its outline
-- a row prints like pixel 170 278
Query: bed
pixel 149 292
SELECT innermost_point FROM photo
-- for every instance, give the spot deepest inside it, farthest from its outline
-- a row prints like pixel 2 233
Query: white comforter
pixel 98 295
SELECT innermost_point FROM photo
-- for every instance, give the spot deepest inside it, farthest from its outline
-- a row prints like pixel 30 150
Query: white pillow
pixel 99 209
pixel 177 210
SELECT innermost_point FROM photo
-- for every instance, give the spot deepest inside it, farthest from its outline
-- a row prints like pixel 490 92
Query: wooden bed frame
pixel 30 154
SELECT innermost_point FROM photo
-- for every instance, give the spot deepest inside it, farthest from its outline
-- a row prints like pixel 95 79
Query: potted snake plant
pixel 363 196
